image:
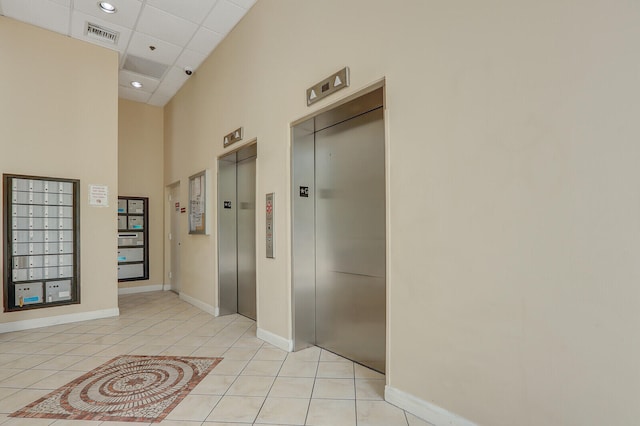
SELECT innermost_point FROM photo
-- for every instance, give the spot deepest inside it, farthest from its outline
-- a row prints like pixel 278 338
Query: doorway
pixel 237 232
pixel 174 237
pixel 339 232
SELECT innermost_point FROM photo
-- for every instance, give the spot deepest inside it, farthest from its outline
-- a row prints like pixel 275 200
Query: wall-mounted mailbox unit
pixel 133 239
pixel 41 242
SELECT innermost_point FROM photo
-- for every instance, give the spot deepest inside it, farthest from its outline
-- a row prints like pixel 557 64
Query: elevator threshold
pixel 368 367
pixel 357 274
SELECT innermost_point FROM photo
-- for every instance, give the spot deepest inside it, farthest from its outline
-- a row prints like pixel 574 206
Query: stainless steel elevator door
pixel 350 239
pixel 237 232
pixel 227 236
pixel 246 241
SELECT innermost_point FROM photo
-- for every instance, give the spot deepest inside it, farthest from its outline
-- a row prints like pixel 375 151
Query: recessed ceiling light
pixel 106 7
pixel 136 84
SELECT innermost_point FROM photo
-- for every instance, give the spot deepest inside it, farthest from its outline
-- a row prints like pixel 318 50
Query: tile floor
pixel 256 383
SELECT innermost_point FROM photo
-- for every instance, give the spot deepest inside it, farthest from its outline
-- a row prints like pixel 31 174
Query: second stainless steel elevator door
pixel 237 232
pixel 227 236
pixel 246 195
pixel 350 239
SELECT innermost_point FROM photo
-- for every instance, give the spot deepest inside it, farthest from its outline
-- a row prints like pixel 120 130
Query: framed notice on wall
pixel 198 204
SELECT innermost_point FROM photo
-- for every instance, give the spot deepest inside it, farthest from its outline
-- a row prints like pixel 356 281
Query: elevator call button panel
pixel 41 250
pixel 269 205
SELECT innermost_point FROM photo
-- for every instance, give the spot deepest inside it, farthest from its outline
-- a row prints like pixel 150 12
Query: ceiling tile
pixel 204 41
pixel 167 27
pixel 42 13
pixel 159 100
pixel 65 3
pixel 190 58
pixel 193 10
pixel 79 25
pixel 133 94
pixel 245 4
pixel 148 84
pixel 144 66
pixel 126 16
pixel 172 82
pixel 20 10
pixel 164 53
pixel 224 16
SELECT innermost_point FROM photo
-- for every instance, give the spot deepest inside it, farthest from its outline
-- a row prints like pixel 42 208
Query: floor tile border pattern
pixel 200 367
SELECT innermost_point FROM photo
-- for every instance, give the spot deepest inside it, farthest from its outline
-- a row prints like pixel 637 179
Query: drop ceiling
pixel 157 39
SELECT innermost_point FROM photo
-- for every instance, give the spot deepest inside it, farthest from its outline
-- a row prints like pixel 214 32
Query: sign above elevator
pixel 232 137
pixel 328 86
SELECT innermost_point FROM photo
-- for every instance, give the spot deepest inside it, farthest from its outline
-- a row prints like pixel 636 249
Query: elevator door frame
pixel 302 131
pixel 238 156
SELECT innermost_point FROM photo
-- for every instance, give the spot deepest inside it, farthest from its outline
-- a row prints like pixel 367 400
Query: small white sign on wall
pixel 99 195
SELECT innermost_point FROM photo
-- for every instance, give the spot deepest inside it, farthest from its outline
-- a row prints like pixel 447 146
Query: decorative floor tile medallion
pixel 127 388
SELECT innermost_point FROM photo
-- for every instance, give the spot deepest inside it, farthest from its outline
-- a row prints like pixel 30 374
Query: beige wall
pixel 140 174
pixel 58 118
pixel 514 231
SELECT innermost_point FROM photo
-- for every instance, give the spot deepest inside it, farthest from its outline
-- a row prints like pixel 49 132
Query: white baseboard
pixel 423 409
pixel 198 304
pixel 216 312
pixel 275 340
pixel 140 289
pixel 56 320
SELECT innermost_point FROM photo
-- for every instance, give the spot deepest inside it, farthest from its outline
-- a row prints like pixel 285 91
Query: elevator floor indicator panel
pixel 41 250
pixel 269 225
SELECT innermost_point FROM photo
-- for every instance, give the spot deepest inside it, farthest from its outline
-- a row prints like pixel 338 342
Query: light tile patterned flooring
pixel 256 383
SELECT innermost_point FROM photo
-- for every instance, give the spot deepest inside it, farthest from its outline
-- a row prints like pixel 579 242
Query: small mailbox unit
pixel 133 239
pixel 41 242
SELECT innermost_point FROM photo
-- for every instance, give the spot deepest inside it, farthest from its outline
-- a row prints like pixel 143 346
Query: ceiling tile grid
pixel 165 36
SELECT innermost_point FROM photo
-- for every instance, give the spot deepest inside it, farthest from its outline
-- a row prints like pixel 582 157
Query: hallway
pixel 256 383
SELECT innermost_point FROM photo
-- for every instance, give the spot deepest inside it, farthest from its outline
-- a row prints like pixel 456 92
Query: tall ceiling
pixel 158 40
